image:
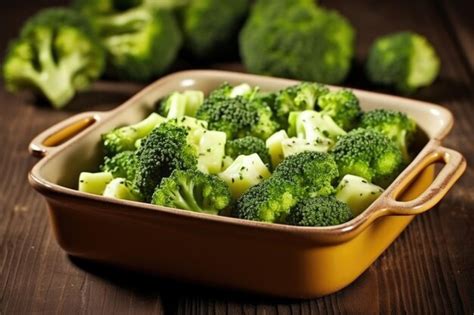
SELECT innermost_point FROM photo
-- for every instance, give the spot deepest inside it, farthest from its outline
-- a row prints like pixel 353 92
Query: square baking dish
pixel 270 259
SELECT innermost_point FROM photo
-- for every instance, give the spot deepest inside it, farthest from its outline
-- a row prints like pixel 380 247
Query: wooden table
pixel 428 269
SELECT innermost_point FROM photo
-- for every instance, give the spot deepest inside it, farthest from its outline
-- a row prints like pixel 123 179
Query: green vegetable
pixel 368 154
pixel 56 55
pixel 165 149
pixel 404 60
pixel 297 39
pixel 180 104
pixel 342 106
pixel 121 165
pixel 94 183
pixel 246 146
pixel 357 192
pixel 120 188
pixel 209 24
pixel 314 126
pixel 124 138
pixel 319 211
pixel 194 191
pixel 394 124
pixel 103 7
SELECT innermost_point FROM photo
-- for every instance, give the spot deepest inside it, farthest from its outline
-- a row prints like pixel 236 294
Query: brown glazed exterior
pixel 274 259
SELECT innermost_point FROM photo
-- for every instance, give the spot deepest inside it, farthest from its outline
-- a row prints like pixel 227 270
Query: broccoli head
pixel 192 190
pixel 404 60
pixel 209 24
pixel 368 154
pixel 246 146
pixel 164 150
pixel 56 54
pixel 298 97
pixel 297 39
pixel 394 124
pixel 315 172
pixel 342 106
pixel 319 211
pixel 269 201
pixel 123 165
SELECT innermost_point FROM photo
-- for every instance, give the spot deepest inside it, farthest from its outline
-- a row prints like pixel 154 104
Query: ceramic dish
pixel 273 259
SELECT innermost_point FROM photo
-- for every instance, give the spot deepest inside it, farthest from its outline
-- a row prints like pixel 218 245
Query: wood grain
pixel 428 270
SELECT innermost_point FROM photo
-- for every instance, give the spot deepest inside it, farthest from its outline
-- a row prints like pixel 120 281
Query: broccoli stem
pixel 188 196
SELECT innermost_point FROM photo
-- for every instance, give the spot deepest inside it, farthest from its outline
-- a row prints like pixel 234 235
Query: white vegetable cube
pixel 177 106
pixel 246 171
pixel 194 100
pixel 314 126
pixel 94 183
pixel 211 151
pixel 294 145
pixel 119 189
pixel 275 148
pixel 357 192
pixel 240 90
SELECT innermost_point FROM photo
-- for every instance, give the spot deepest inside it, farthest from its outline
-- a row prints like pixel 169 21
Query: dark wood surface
pixel 429 269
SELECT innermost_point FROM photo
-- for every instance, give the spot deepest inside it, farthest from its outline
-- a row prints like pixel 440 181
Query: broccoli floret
pixel 209 24
pixel 94 183
pixel 141 42
pixel 123 165
pixel 368 154
pixel 394 124
pixel 246 146
pixel 313 171
pixel 164 150
pixel 314 126
pixel 120 188
pixel 319 211
pixel 298 97
pixel 297 39
pixel 357 192
pixel 56 54
pixel 124 138
pixel 180 104
pixel 246 171
pixel 269 201
pixel 342 106
pixel 192 190
pixel 404 60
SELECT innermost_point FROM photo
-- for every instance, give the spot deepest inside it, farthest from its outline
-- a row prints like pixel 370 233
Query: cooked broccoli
pixel 319 211
pixel 342 106
pixel 120 188
pixel 314 126
pixel 269 201
pixel 209 24
pixel 244 172
pixel 141 42
pixel 164 150
pixel 357 192
pixel 297 39
pixel 192 190
pixel 56 54
pixel 368 154
pixel 180 104
pixel 211 151
pixel 298 97
pixel 94 183
pixel 246 146
pixel 123 165
pixel 124 138
pixel 275 147
pixel 404 60
pixel 394 124
pixel 312 171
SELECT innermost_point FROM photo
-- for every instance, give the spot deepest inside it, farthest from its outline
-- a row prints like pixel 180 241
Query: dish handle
pixel 454 166
pixel 57 135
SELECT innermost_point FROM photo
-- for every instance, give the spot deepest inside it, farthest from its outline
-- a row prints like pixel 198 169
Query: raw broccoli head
pixel 298 97
pixel 269 201
pixel 192 190
pixel 319 211
pixel 56 55
pixel 394 124
pixel 209 24
pixel 404 60
pixel 123 165
pixel 164 150
pixel 342 106
pixel 141 42
pixel 246 146
pixel 315 172
pixel 296 39
pixel 368 154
